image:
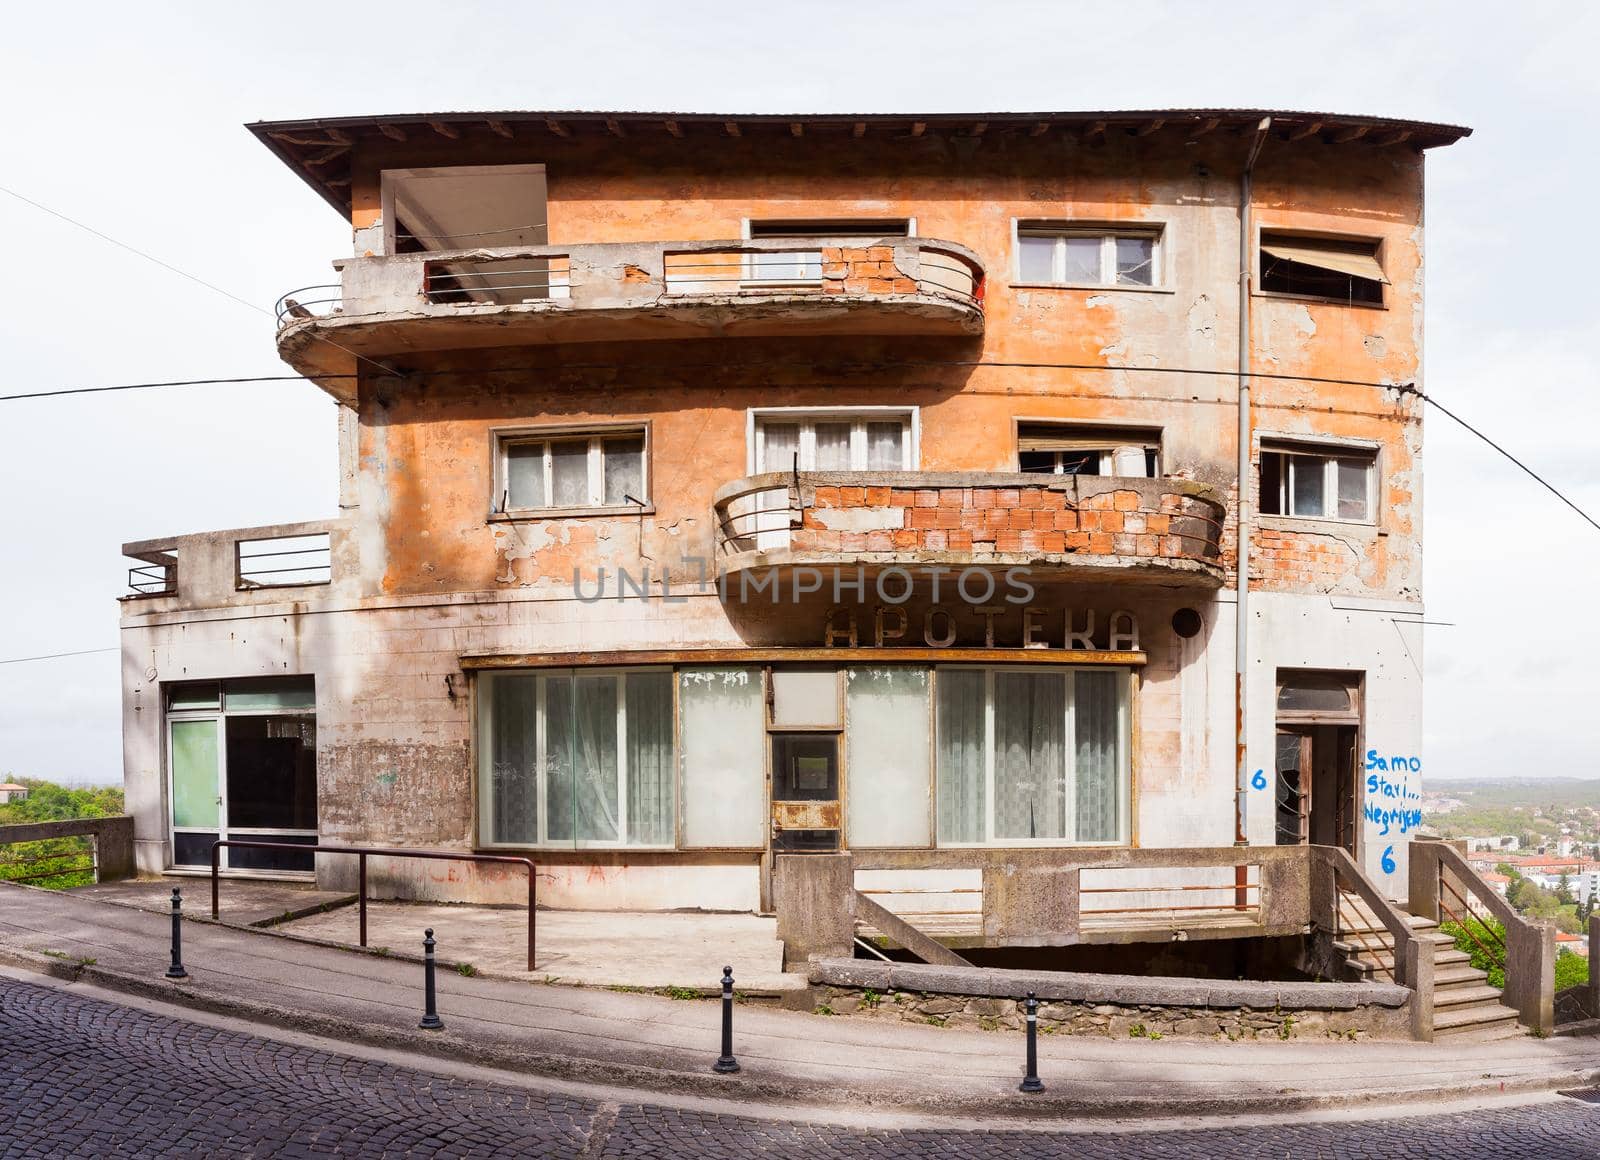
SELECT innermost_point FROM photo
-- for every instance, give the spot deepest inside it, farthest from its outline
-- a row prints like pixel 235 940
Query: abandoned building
pixel 1000 529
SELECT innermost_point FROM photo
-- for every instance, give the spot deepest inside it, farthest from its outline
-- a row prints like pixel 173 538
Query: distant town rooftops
pixel 319 148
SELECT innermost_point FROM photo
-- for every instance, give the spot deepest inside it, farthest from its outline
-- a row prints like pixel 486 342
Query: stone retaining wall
pixel 1114 1006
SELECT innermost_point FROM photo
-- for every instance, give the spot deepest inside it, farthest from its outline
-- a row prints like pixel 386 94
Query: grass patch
pixel 466 970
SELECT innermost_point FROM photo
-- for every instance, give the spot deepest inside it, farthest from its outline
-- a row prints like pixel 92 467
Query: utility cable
pixel 82 652
pixel 195 278
pixel 1411 389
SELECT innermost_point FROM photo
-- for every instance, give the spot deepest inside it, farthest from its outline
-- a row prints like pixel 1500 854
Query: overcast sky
pixel 128 117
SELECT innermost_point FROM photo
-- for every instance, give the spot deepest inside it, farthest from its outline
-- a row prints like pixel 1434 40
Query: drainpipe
pixel 1241 651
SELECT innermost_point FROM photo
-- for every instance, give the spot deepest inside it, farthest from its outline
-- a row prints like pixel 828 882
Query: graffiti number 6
pixel 1259 780
pixel 1388 859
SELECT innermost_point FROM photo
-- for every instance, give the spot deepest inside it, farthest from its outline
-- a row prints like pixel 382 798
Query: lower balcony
pixel 1088 527
pixel 522 295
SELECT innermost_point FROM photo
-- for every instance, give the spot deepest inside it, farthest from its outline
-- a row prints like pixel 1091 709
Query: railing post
pixel 176 971
pixel 1419 978
pixel 1422 894
pixel 533 906
pixel 1594 965
pixel 216 861
pixel 1531 974
pixel 361 894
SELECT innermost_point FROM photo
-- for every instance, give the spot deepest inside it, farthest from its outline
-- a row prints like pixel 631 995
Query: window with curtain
pixel 560 470
pixel 833 441
pixel 1029 756
pixel 577 758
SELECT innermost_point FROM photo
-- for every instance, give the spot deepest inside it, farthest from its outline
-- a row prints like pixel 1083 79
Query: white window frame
pixel 1155 232
pixel 505 438
pixel 541 779
pixel 219 717
pixel 1069 746
pixel 858 417
pixel 1329 454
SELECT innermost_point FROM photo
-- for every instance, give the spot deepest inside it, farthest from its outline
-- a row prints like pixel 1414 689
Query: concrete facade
pixel 431 584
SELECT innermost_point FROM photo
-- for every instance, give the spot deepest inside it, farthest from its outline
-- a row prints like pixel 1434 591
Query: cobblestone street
pixel 83 1077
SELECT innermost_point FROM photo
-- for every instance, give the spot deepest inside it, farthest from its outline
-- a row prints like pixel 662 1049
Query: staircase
pixel 1465 1006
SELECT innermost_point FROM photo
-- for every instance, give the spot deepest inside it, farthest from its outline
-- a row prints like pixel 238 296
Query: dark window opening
pixel 1338 270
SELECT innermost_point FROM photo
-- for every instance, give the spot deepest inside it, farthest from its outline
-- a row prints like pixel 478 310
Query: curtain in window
pixel 885 446
pixel 963 743
pixel 648 709
pixel 559 722
pixel 1098 737
pixel 1030 714
pixel 525 475
pixel 594 780
pixel 623 469
pixel 833 446
pixel 569 474
pixel 513 753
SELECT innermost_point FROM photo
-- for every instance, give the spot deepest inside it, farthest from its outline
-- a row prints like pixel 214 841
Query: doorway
pixel 1315 759
pixel 242 763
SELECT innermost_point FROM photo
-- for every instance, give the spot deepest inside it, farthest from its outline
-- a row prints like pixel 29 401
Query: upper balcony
pixel 299 563
pixel 1165 530
pixel 524 295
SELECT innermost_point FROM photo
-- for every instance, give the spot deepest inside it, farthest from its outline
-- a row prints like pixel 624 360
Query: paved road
pixel 83 1077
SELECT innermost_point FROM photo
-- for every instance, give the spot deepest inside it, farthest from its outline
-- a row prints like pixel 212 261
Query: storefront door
pixel 241 759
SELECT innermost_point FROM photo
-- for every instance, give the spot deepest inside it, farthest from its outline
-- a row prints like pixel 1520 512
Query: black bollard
pixel 1030 1082
pixel 176 971
pixel 430 1014
pixel 726 1064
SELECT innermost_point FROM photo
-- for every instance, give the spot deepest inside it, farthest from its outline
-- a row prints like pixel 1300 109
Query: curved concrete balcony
pixel 627 291
pixel 1165 530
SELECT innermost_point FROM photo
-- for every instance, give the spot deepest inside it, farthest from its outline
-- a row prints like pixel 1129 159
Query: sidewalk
pixel 612 1038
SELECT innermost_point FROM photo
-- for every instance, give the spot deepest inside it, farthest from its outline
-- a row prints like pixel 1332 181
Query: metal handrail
pixel 363 852
pixel 289 308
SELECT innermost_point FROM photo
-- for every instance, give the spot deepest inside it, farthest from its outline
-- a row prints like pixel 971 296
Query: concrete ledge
pixel 1121 990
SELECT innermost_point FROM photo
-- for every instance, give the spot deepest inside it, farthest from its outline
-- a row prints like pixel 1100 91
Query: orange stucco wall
pixel 425 462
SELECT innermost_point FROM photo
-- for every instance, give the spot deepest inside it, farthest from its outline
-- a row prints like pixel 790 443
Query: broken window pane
pixel 624 469
pixel 525 476
pixel 1136 261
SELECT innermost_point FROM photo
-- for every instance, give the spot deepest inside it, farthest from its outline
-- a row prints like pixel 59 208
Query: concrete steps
pixel 1465 1007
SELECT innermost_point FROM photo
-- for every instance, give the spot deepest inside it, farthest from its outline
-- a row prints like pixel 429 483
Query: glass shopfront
pixel 804 757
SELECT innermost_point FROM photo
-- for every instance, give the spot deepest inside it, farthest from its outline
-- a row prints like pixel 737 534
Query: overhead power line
pixel 82 652
pixel 1411 389
pixel 725 364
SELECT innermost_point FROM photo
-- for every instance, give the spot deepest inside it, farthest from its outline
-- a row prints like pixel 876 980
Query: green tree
pixel 56 863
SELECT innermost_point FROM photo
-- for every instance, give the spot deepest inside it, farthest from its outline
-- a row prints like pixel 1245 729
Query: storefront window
pixel 722 726
pixel 578 759
pixel 1028 757
pixel 887 729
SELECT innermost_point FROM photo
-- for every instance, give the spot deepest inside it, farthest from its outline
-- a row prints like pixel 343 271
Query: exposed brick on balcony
pixel 1156 520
